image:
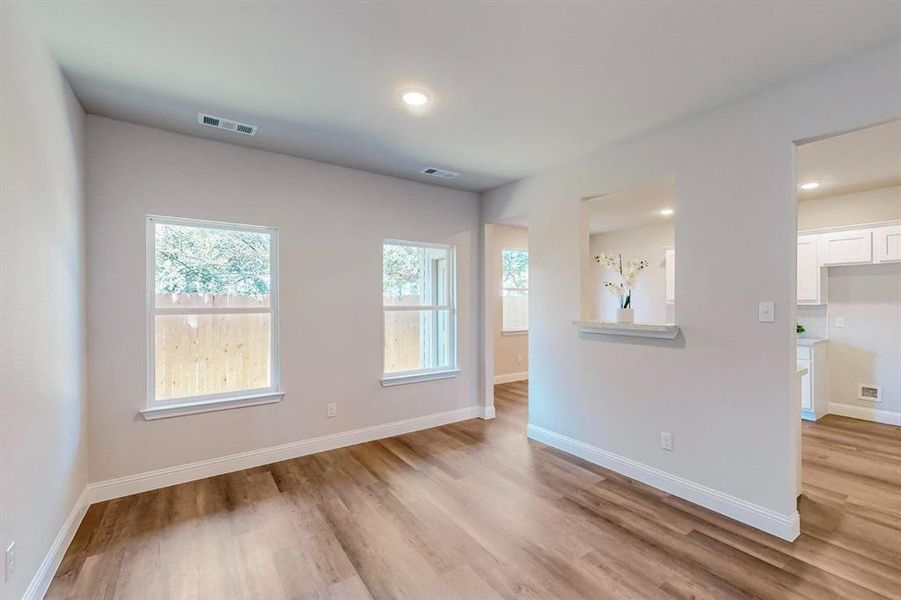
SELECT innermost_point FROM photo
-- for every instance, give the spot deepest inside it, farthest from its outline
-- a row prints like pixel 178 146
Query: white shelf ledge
pixel 646 330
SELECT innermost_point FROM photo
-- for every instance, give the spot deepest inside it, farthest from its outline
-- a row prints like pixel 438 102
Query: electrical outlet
pixel 331 410
pixel 519 359
pixel 10 561
pixel 666 440
pixel 839 321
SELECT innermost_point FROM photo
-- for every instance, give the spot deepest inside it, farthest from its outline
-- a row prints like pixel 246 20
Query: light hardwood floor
pixel 475 510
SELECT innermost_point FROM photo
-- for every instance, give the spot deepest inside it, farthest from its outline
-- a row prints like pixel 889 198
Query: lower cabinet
pixel 814 384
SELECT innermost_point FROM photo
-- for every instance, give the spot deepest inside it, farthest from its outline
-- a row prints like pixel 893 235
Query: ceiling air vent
pixel 220 123
pixel 440 173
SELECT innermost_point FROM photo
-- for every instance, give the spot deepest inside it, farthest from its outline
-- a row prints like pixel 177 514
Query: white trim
pixel 397 242
pixel 787 527
pixel 514 331
pixel 417 377
pixel 487 412
pixel 877 415
pixel 40 583
pixel 841 228
pixel 433 307
pixel 159 478
pixel 164 411
pixel 198 310
pixel 511 377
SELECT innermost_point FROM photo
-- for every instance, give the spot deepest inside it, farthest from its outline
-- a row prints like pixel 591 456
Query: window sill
pixel 164 411
pixel 514 332
pixel 389 381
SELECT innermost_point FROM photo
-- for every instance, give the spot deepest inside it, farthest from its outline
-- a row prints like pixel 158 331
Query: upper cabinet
pixel 887 244
pixel 670 267
pixel 859 245
pixel 811 277
pixel 854 247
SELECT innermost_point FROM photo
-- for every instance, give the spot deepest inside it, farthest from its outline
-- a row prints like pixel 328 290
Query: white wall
pixel 508 348
pixel 872 206
pixel 649 296
pixel 331 222
pixel 43 443
pixel 868 348
pixel 724 389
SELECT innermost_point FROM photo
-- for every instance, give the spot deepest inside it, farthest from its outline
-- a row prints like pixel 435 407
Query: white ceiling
pixel 638 206
pixel 517 87
pixel 860 160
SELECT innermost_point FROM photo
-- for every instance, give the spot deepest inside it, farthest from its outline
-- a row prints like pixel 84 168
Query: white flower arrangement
pixel 628 272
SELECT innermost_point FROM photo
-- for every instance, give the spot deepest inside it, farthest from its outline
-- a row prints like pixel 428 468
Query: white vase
pixel 625 315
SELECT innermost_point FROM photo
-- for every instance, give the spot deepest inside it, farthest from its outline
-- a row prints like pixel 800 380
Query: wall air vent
pixel 873 393
pixel 220 123
pixel 440 173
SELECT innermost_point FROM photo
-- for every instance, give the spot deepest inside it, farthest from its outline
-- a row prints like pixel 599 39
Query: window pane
pixel 515 294
pixel 415 275
pixel 209 354
pixel 516 309
pixel 515 269
pixel 417 339
pixel 210 267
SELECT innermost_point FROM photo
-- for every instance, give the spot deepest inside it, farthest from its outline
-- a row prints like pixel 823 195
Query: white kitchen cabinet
pixel 852 247
pixel 670 268
pixel 812 355
pixel 811 277
pixel 887 244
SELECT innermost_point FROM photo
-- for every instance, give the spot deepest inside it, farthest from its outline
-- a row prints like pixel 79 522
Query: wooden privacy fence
pixel 210 353
pixel 213 353
pixel 402 342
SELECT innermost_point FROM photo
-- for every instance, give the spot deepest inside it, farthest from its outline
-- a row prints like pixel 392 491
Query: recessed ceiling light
pixel 415 98
pixel 810 185
pixel 666 211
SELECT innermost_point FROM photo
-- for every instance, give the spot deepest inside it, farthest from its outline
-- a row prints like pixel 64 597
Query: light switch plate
pixel 839 321
pixel 766 312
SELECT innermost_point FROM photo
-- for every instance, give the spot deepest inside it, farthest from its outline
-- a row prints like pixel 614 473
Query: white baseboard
pixel 487 412
pixel 151 480
pixel 40 583
pixel 889 417
pixel 787 527
pixel 511 377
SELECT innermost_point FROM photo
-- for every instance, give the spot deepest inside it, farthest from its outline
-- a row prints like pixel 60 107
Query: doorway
pixel 505 308
pixel 848 385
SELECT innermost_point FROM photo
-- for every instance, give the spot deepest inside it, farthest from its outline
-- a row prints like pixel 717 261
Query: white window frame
pixel 432 373
pixel 172 407
pixel 517 330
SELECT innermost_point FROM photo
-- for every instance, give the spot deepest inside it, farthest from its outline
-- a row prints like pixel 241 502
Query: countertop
pixel 811 341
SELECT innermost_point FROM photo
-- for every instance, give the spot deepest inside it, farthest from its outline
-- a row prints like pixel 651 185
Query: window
pixel 419 311
pixel 515 290
pixel 212 316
